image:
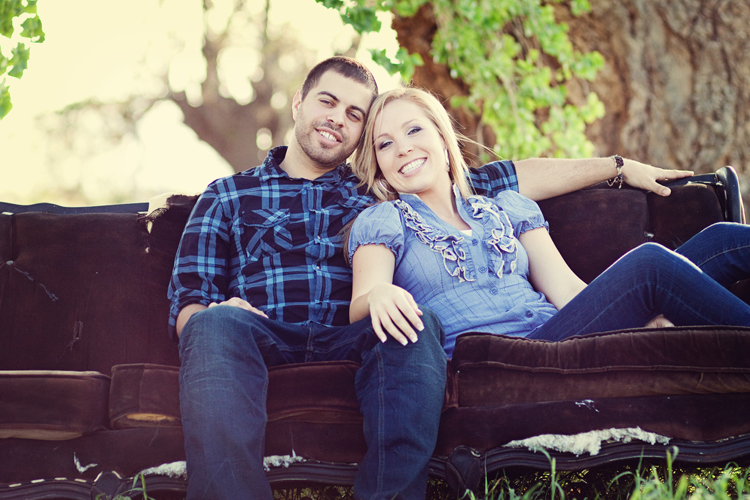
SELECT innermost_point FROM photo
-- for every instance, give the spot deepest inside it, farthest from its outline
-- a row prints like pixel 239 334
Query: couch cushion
pixel 497 370
pixel 52 405
pixel 144 395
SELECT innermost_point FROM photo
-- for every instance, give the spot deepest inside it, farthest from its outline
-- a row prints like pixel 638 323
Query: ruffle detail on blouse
pixel 502 241
pixel 454 258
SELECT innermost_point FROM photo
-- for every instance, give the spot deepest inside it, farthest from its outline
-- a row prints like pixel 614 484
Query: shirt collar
pixel 271 168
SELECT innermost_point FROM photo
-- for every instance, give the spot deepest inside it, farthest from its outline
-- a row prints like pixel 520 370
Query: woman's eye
pixel 413 130
pixel 384 145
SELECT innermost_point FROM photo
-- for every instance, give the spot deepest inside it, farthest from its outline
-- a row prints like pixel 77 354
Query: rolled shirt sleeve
pixel 199 274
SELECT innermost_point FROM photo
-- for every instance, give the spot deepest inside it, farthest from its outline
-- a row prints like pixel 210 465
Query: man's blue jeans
pixel 687 286
pixel 225 352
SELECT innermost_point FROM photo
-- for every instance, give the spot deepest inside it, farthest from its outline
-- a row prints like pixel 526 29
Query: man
pixel 260 280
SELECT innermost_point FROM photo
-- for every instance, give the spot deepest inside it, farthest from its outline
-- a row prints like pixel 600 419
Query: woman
pixel 489 264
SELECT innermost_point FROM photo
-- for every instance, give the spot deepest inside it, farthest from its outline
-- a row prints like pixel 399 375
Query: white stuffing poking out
pixel 179 469
pixel 586 442
pixel 174 469
pixel 281 460
pixel 81 468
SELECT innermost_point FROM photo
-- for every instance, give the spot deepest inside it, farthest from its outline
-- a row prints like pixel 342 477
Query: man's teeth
pixel 411 166
pixel 328 136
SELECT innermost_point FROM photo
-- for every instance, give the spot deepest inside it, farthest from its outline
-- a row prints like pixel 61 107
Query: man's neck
pixel 298 165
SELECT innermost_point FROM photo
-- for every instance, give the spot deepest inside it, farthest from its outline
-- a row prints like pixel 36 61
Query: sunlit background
pixel 102 53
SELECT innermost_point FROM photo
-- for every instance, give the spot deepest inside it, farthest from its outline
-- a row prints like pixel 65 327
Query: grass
pixel 664 481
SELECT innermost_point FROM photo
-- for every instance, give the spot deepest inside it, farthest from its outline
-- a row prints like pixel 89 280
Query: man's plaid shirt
pixel 275 241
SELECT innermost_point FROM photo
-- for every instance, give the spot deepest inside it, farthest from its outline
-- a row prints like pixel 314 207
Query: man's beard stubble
pixel 329 158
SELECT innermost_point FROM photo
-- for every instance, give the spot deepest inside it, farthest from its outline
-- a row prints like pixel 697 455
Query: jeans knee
pixel 219 329
pixel 433 327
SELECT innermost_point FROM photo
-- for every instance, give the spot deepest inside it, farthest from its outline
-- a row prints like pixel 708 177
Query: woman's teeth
pixel 412 166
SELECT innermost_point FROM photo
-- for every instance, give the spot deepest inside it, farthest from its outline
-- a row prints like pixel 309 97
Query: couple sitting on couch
pixel 267 241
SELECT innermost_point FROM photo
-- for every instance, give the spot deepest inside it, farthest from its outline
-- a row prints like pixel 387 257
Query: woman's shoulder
pixel 383 209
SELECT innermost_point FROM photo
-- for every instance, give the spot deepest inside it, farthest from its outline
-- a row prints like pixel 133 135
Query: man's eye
pixel 355 117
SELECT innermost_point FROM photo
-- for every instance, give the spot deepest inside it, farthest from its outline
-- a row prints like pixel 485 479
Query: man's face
pixel 330 120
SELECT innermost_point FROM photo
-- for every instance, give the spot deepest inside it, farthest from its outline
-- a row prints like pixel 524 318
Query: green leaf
pixel 332 4
pixel 32 28
pixel 19 61
pixel 362 19
pixel 404 63
pixel 3 63
pixel 407 8
pixel 5 104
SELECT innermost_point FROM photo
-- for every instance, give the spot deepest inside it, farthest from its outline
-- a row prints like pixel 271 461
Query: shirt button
pixel 482 269
pixel 318 237
pixel 493 291
pixel 317 266
pixel 475 242
pixel 529 314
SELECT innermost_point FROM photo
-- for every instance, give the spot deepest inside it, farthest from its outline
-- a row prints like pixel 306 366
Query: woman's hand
pixel 394 312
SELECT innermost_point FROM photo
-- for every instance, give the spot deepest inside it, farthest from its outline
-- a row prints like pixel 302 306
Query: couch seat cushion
pixel 144 395
pixel 498 370
pixel 52 405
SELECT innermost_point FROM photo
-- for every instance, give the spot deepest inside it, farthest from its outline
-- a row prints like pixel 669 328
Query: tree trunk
pixel 675 85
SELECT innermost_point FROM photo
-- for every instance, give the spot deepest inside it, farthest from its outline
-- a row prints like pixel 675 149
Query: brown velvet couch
pixel 88 374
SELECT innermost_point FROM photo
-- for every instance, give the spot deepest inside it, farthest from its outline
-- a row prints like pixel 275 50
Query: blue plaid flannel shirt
pixel 275 241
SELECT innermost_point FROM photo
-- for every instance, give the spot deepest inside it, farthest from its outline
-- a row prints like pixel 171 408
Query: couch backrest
pixel 594 227
pixel 87 291
pixel 82 292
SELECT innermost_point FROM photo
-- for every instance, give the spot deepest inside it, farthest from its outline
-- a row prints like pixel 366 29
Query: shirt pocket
pixel 264 232
pixel 352 207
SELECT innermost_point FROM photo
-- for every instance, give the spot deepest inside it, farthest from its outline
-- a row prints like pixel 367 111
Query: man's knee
pixel 219 329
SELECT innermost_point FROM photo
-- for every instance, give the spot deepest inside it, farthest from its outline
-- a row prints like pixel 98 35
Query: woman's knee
pixel 433 327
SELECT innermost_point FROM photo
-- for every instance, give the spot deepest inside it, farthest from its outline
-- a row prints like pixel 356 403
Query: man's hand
pixel 242 304
pixel 394 312
pixel 642 176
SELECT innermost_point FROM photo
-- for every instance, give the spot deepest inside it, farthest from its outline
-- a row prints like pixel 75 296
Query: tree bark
pixel 675 85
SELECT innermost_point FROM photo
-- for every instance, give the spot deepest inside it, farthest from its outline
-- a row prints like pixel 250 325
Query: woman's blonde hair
pixel 365 164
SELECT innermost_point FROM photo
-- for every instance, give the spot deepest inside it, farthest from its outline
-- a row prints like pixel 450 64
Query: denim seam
pixel 723 252
pixel 381 420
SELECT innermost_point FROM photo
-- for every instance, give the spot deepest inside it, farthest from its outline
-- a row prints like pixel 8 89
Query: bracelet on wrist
pixel 618 179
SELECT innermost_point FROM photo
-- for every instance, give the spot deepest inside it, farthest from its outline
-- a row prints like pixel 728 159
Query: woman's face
pixel 410 150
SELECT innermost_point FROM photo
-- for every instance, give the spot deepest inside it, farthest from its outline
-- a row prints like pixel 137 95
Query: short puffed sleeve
pixel 523 212
pixel 378 225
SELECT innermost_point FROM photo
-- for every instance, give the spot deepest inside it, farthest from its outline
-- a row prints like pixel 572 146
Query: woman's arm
pixel 392 309
pixel 548 271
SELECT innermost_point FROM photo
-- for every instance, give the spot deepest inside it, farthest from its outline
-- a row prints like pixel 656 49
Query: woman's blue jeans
pixel 225 353
pixel 687 286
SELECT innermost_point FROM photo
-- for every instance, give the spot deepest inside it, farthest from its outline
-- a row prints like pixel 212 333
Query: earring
pixel 447 161
pixel 383 184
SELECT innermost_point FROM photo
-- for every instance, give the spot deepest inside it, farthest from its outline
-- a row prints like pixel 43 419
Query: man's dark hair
pixel 344 66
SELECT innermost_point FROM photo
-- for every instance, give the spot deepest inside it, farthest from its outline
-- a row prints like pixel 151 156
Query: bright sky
pixel 108 50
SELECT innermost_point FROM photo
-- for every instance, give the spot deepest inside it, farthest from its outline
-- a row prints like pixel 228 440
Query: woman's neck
pixel 445 208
